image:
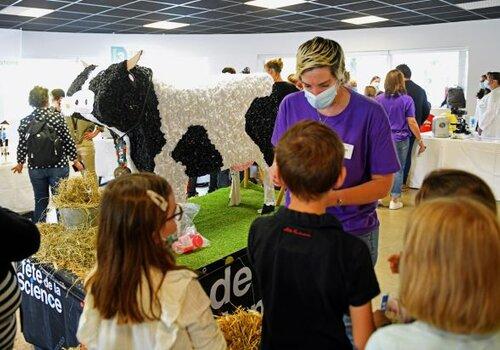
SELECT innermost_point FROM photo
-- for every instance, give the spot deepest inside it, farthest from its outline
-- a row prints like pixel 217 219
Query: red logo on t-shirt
pixel 297 232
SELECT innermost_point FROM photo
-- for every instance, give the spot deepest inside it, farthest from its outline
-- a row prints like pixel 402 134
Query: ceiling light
pixel 364 20
pixel 25 11
pixel 165 25
pixel 274 4
pixel 475 5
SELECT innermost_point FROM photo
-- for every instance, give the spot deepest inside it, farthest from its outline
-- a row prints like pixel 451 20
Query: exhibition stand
pixel 52 300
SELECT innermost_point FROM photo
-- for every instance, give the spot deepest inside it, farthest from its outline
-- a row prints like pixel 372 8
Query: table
pixel 475 155
pixel 16 192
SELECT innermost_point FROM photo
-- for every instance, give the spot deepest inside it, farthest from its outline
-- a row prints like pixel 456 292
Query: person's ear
pixel 341 178
pixel 278 176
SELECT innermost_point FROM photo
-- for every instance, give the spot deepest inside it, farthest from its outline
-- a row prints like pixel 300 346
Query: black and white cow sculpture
pixel 177 133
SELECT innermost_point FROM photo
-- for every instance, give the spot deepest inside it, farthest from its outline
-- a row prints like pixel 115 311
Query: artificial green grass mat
pixel 225 227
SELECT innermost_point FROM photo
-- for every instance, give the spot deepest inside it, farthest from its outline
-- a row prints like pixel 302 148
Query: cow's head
pixel 121 97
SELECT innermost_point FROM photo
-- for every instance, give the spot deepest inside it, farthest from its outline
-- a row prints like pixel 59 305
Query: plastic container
pixel 78 217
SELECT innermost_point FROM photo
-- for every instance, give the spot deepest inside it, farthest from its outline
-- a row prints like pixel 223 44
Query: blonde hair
pixel 449 263
pixel 275 64
pixel 320 52
pixel 370 91
pixel 394 83
pixel 292 78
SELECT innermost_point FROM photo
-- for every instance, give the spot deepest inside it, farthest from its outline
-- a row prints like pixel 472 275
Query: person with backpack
pixel 45 140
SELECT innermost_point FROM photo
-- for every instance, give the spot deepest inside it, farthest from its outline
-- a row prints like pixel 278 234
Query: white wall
pixel 479 37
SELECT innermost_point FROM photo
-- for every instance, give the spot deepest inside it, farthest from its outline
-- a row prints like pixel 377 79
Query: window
pixel 434 70
pixel 363 67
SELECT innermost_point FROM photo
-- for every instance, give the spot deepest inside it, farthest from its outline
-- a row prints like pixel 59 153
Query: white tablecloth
pixel 16 192
pixel 480 157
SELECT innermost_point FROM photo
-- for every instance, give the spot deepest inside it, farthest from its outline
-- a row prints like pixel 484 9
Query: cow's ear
pixel 131 63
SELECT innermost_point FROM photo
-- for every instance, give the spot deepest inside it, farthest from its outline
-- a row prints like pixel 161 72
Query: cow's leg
pixel 235 193
pixel 269 193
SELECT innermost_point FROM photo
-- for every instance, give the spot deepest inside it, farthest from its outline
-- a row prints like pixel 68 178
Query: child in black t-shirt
pixel 310 272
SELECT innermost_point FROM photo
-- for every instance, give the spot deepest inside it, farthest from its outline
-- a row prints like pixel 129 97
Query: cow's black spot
pixel 259 124
pixel 196 152
pixel 261 117
pixel 77 84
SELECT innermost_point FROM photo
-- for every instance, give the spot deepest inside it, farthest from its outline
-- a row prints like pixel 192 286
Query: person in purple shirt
pixel 361 123
pixel 401 111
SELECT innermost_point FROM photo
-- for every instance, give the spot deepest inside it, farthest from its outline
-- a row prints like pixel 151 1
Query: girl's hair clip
pixel 160 201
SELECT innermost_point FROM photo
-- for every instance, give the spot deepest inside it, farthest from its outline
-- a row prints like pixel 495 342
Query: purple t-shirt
pixel 364 128
pixel 398 108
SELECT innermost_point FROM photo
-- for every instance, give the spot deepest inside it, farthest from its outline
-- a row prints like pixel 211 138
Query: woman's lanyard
pixel 121 152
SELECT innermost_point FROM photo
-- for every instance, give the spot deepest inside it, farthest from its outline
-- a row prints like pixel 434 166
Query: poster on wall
pixel 118 54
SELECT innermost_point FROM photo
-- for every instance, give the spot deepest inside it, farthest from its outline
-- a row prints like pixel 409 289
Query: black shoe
pixel 267 209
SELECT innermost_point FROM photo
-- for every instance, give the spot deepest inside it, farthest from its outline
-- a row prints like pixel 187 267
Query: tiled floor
pixel 393 223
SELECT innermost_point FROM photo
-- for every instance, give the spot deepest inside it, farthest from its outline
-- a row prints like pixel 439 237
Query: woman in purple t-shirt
pixel 401 111
pixel 362 124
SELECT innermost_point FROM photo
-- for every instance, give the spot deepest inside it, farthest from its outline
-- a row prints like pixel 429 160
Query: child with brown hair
pixel 450 183
pixel 454 182
pixel 137 297
pixel 449 261
pixel 310 272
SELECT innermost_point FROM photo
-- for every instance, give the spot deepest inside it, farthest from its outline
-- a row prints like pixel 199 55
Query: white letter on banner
pixel 247 277
pixel 226 284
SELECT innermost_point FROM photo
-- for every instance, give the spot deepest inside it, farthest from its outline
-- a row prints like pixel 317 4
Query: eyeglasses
pixel 177 213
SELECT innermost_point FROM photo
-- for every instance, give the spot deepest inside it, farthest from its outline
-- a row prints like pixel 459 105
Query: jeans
pixel 371 240
pixel 41 180
pixel 402 151
pixel 408 159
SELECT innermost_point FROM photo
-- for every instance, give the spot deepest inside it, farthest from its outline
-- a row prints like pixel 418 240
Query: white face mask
pixel 322 100
pixel 375 84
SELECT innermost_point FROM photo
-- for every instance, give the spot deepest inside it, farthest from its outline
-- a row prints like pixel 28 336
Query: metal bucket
pixel 77 217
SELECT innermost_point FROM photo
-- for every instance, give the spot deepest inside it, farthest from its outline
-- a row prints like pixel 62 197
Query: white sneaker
pixel 393 205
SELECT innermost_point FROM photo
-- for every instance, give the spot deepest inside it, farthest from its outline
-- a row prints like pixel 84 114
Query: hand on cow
pixel 18 168
pixel 89 135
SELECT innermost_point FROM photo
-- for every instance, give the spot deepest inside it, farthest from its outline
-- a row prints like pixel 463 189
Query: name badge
pixel 348 150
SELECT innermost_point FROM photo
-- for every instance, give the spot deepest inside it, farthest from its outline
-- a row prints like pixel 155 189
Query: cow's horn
pixel 133 61
pixel 85 64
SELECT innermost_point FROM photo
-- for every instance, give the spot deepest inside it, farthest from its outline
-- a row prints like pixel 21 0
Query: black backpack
pixel 44 145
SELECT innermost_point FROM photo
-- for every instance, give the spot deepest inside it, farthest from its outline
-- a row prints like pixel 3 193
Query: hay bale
pixel 77 192
pixel 72 250
pixel 242 329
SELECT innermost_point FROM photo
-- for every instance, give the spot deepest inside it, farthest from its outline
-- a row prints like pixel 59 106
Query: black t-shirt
pixel 283 88
pixel 309 271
